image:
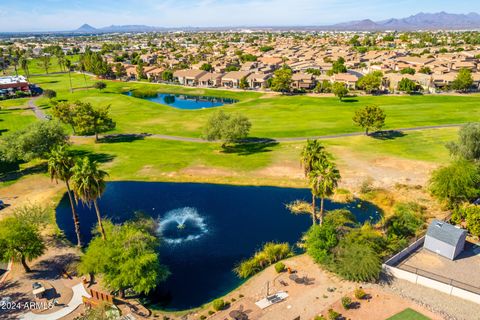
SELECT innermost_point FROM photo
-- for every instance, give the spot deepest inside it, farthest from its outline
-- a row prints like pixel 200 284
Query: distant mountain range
pixel 420 21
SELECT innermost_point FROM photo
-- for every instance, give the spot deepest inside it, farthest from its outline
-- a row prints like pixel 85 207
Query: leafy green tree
pixel 140 71
pixel 60 164
pixel 24 65
pixel 65 113
pixel 371 82
pixel 35 141
pixel 370 117
pixel 339 66
pixel 456 183
pixel 340 90
pixel 407 85
pixel 324 86
pixel 319 242
pixel 229 128
pixel 358 262
pixel 88 184
pixel 282 80
pixel 20 240
pixel 243 83
pixel 90 120
pixel 468 144
pixel 408 70
pixel 406 220
pixel 425 70
pixel 100 85
pixel 463 81
pixel 206 67
pixel 120 71
pixel 129 260
pixel 167 75
pixel 50 94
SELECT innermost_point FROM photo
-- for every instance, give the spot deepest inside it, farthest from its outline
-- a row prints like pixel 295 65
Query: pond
pixel 207 229
pixel 188 102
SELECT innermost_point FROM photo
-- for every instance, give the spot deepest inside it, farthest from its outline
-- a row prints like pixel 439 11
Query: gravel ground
pixel 449 307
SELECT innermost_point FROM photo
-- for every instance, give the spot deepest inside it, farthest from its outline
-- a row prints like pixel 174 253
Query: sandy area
pixel 30 189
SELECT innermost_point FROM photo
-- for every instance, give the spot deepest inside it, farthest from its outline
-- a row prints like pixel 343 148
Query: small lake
pixel 220 226
pixel 187 102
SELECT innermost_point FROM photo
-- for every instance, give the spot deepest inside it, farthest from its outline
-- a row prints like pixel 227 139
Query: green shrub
pixel 210 312
pixel 357 262
pixel 218 304
pixel 270 253
pixel 320 241
pixel 333 315
pixel 320 317
pixel 144 93
pixel 279 267
pixel 360 293
pixel 346 302
pixel 407 219
pixel 472 217
pixel 203 317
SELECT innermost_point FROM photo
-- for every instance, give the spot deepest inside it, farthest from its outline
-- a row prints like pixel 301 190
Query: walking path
pixel 78 292
pixel 38 112
pixel 42 116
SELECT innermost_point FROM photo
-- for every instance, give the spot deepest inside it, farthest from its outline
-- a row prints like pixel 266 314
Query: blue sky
pixel 38 15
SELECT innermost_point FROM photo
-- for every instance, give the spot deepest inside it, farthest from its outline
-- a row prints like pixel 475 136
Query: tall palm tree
pixel 24 65
pixel 60 164
pixel 88 183
pixel 68 65
pixel 323 181
pixel 312 154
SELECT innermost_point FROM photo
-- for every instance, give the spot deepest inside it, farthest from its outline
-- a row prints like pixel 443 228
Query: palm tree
pixel 24 65
pixel 60 164
pixel 323 181
pixel 88 183
pixel 68 64
pixel 312 154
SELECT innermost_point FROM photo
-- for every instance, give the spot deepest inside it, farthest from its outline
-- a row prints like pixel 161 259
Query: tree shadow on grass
pixel 94 156
pixel 12 172
pixel 117 138
pixel 251 146
pixel 349 100
pixel 388 135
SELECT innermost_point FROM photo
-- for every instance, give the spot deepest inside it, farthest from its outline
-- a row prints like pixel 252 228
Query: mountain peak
pixel 86 28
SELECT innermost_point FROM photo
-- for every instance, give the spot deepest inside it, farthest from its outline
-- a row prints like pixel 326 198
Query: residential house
pixel 303 81
pixel 232 79
pixel 188 77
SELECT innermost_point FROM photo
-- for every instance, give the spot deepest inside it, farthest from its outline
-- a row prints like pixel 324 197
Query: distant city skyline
pixel 59 15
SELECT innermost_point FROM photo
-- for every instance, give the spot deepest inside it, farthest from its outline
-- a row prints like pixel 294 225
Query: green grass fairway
pixel 157 159
pixel 408 314
pixel 271 116
pixel 11 120
pixel 35 66
pixel 14 103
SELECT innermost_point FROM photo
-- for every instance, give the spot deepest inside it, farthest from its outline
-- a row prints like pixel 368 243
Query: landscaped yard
pixel 408 314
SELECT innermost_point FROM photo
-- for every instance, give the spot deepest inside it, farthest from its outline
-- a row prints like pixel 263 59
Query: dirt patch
pixel 379 306
pixel 385 172
pixel 32 189
pixel 201 170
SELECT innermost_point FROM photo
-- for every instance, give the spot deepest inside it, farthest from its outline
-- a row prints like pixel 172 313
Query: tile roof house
pixel 445 239
pixel 188 77
pixel 232 79
pixel 258 80
pixel 349 79
pixel 303 81
pixel 210 79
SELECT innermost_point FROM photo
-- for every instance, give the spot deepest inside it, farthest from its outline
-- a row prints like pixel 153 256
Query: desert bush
pixel 320 317
pixel 407 220
pixel 218 304
pixel 279 267
pixel 360 293
pixel 346 302
pixel 270 253
pixel 333 315
pixel 357 262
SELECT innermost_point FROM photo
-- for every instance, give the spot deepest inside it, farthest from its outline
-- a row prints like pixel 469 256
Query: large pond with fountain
pixel 206 229
pixel 185 101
